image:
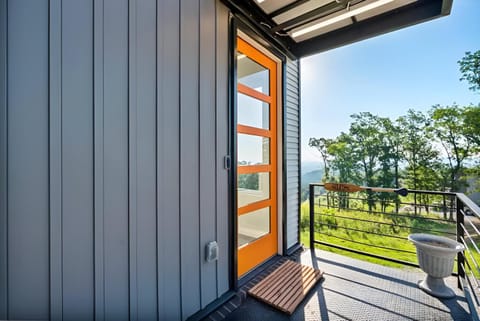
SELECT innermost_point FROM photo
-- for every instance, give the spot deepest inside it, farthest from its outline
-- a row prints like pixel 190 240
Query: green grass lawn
pixel 331 223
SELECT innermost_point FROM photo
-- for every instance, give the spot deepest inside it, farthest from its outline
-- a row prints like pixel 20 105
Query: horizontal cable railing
pixel 468 234
pixel 376 225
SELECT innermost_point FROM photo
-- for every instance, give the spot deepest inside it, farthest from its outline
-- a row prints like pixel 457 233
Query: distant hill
pixel 307 178
pixel 311 166
pixel 311 177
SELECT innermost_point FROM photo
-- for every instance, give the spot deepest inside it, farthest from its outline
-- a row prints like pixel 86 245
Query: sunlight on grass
pixel 370 237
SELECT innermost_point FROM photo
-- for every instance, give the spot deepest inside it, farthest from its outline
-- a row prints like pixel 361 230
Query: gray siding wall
pixel 292 147
pixel 113 129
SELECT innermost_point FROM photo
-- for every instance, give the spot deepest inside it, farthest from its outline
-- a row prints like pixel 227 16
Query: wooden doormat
pixel 286 286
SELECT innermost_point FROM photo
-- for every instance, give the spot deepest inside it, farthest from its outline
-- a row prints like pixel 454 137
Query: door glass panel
pixel 253 225
pixel 252 112
pixel 253 188
pixel 253 150
pixel 252 74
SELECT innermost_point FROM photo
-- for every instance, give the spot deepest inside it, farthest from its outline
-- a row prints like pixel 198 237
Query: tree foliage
pixel 321 144
pixel 470 69
pixel 344 163
pixel 472 125
pixel 448 126
pixel 248 181
pixel 418 150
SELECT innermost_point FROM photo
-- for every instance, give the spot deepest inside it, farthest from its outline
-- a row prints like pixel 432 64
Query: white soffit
pixel 269 6
pixel 298 35
pixel 321 31
pixel 300 10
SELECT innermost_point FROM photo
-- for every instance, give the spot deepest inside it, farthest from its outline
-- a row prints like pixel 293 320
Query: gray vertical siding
pixel 168 159
pixel 143 91
pixel 55 154
pixel 111 157
pixel 132 159
pixel 27 159
pixel 292 147
pixel 77 160
pixel 113 129
pixel 189 155
pixel 99 169
pixel 3 161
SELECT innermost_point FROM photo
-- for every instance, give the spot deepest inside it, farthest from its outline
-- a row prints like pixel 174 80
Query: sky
pixel 413 68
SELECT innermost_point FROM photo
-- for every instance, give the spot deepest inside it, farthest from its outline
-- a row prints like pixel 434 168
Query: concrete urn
pixel 436 255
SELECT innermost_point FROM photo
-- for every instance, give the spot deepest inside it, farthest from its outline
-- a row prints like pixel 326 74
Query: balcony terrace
pixel 354 289
pixel 357 290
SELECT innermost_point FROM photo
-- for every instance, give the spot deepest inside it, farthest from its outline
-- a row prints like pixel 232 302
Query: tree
pixel 448 127
pixel 472 132
pixel 339 165
pixel 421 157
pixel 343 162
pixel 472 124
pixel 470 69
pixel 417 148
pixel 367 142
pixel 390 158
pixel 248 181
pixel 343 165
pixel 321 144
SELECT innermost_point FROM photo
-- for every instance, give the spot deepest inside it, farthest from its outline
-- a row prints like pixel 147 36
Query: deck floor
pixel 357 290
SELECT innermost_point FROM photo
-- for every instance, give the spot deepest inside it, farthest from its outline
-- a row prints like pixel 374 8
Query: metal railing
pixel 376 225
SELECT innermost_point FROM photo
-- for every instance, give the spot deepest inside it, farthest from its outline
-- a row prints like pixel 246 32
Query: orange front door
pixel 256 157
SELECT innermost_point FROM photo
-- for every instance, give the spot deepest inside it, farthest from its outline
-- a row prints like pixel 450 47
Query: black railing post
pixel 444 207
pixel 460 238
pixel 312 216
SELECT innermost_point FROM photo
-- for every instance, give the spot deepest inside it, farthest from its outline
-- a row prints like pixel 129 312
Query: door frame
pixel 238 27
pixel 253 253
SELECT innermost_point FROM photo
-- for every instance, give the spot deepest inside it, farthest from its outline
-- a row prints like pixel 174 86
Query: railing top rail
pixel 469 203
pixel 461 196
pixel 414 191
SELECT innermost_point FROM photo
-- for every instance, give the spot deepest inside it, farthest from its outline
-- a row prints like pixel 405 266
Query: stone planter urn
pixel 436 255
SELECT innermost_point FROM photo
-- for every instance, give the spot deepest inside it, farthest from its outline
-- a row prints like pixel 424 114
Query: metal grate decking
pixel 357 290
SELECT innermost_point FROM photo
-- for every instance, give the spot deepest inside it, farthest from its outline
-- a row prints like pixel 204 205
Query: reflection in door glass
pixel 253 150
pixel 252 112
pixel 253 225
pixel 253 187
pixel 252 74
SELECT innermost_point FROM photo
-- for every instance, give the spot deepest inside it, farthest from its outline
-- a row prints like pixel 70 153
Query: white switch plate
pixel 211 251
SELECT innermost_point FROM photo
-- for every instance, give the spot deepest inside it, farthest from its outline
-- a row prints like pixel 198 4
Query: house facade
pixel 150 149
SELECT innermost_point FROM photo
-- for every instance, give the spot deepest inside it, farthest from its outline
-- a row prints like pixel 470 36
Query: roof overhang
pixel 305 27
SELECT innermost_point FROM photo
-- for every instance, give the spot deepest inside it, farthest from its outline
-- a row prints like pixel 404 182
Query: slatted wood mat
pixel 286 286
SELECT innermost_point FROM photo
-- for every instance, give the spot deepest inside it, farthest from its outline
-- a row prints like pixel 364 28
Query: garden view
pixel 435 150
